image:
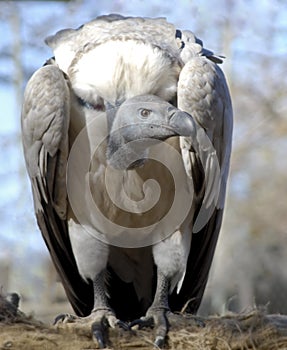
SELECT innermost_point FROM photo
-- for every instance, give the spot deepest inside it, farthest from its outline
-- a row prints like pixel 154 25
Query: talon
pixel 159 341
pixel 143 322
pixel 123 325
pixel 64 318
pixel 98 335
pixel 103 319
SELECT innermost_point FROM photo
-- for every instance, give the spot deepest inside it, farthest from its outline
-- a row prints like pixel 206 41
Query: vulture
pixel 127 138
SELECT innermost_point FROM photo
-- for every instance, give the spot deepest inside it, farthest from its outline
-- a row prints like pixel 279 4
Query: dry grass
pixel 253 330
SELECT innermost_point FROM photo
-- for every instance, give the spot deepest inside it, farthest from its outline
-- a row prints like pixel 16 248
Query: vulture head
pixel 139 123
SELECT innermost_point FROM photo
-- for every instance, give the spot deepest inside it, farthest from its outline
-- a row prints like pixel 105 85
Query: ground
pixel 253 330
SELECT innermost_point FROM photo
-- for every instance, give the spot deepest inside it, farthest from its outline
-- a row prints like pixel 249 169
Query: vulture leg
pixel 102 315
pixel 156 315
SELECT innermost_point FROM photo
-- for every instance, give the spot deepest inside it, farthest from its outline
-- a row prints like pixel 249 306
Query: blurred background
pixel 250 266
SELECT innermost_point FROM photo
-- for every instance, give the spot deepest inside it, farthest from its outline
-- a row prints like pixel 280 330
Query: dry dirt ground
pixel 253 330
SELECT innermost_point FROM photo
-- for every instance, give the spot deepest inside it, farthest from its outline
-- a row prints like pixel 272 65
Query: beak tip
pixel 182 123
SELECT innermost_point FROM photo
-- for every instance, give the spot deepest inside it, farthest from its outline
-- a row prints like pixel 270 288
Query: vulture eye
pixel 145 112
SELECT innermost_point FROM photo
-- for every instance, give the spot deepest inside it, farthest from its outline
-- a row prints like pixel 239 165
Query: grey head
pixel 139 123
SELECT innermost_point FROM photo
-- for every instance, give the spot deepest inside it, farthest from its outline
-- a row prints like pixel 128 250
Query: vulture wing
pixel 203 92
pixel 45 123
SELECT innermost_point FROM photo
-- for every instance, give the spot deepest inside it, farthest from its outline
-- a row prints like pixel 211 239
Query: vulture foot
pixel 155 318
pixel 99 322
pixel 102 320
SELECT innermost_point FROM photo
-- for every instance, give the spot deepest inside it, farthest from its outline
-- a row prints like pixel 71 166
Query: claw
pixel 123 325
pixel 64 318
pixel 159 341
pixel 98 333
pixel 156 318
pixel 143 322
pixel 102 320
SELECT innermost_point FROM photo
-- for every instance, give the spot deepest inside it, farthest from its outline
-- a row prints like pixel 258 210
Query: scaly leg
pixel 156 315
pixel 103 315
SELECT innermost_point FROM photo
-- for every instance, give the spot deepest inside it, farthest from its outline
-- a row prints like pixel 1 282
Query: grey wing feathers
pixel 45 135
pixel 203 92
pixel 191 46
pixel 198 266
pixel 45 122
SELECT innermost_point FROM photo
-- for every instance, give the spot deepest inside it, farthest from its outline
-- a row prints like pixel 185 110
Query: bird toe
pixel 64 318
pixel 103 319
pixel 155 318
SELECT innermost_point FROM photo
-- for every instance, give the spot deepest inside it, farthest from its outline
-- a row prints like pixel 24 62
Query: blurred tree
pixel 252 255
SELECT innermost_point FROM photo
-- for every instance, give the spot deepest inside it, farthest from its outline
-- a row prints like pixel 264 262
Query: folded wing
pixel 45 123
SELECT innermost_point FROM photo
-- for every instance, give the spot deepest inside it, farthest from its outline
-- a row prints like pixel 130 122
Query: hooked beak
pixel 182 123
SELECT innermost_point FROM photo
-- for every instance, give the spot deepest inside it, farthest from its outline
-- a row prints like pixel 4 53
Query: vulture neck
pixel 124 155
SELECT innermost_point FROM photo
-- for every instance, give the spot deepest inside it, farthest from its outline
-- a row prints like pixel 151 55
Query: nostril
pixel 171 111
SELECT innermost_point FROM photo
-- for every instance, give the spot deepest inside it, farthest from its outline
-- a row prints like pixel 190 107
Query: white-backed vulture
pixel 127 139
